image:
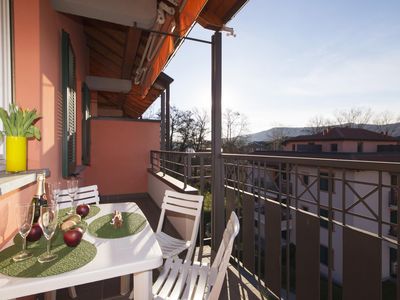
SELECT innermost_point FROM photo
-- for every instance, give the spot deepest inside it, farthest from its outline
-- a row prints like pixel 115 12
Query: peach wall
pixel 120 155
pixel 37 39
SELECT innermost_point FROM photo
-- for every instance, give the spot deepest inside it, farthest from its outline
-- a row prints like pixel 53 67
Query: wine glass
pixel 24 214
pixel 48 222
pixel 55 189
pixel 72 185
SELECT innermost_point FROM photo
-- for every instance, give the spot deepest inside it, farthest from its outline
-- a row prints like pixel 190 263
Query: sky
pixel 293 60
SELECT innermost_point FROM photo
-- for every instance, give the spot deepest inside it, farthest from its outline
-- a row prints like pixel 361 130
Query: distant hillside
pixel 268 135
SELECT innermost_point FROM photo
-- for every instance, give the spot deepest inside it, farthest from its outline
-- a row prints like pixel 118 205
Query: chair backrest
pixel 185 204
pixel 85 195
pixel 221 261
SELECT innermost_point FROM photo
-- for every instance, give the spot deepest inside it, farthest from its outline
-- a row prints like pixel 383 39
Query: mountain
pixel 273 133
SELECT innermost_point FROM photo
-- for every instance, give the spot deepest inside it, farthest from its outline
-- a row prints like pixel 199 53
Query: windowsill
pixel 12 181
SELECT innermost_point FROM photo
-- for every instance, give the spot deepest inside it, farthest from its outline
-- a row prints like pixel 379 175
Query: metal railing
pixel 307 224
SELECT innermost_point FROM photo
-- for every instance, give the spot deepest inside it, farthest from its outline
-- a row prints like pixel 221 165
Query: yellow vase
pixel 15 153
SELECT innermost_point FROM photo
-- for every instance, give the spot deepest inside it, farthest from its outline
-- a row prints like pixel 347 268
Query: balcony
pixel 285 221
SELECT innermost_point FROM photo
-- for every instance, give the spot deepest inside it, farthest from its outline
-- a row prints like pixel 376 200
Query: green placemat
pixel 132 223
pixel 56 240
pixel 94 210
pixel 68 259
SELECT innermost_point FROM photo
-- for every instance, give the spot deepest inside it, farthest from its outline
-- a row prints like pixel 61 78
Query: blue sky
pixel 292 60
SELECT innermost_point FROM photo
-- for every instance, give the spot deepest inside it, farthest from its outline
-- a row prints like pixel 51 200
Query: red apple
pixel 73 237
pixel 35 233
pixel 82 210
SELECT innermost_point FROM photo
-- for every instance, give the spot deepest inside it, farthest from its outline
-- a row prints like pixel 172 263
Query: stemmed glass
pixel 72 185
pixel 24 216
pixel 48 222
pixel 55 189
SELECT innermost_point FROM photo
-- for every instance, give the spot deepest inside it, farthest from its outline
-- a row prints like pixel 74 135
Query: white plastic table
pixel 137 254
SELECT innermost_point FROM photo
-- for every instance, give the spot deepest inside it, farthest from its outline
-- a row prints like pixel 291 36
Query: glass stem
pixel 48 247
pixel 24 244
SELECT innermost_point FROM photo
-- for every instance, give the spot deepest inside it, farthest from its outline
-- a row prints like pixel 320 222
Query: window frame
pixel 6 63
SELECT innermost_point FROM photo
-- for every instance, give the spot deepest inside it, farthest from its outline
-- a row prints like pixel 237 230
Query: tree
pixel 354 117
pixel 277 136
pixel 202 120
pixel 188 129
pixel 317 124
pixel 234 128
pixel 384 122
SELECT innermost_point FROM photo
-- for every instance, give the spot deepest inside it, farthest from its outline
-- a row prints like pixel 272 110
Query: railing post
pixel 217 212
pixel 185 170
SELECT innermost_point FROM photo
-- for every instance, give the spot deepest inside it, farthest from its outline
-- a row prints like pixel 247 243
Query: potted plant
pixel 18 126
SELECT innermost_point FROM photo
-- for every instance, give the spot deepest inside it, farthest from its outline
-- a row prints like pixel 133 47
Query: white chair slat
pixel 182 202
pixel 201 283
pixel 172 277
pixel 85 195
pixel 180 283
pixel 163 275
pixel 179 209
pixel 178 195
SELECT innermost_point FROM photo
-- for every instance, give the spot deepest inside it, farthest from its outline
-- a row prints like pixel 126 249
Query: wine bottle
pixel 39 199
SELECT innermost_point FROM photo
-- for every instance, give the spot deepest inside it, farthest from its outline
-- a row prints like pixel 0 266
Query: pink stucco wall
pixel 37 39
pixel 120 155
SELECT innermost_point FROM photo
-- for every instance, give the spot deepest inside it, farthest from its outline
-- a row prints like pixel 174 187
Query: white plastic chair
pixel 85 195
pixel 184 204
pixel 180 280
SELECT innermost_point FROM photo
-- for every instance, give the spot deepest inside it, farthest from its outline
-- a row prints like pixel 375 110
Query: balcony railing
pixel 281 247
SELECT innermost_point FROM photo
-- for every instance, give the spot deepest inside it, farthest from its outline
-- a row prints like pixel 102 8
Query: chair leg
pixel 125 284
pixel 72 292
pixel 51 295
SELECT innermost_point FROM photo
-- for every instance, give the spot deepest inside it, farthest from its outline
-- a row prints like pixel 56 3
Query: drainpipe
pixel 218 209
pixel 162 133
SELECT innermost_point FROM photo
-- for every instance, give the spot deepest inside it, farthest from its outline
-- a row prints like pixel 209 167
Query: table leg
pixel 125 284
pixel 50 295
pixel 142 283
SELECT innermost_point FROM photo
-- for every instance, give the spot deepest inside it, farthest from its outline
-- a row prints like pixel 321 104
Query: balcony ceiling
pixel 119 51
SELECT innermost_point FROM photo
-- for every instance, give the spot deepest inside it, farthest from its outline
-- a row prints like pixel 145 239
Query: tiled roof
pixel 343 133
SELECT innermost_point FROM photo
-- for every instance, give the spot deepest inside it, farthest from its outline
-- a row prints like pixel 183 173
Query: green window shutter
pixel 85 125
pixel 69 106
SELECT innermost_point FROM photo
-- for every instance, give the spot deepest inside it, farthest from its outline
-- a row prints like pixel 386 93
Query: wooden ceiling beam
pixel 108 65
pixel 131 47
pixel 106 52
pixel 99 36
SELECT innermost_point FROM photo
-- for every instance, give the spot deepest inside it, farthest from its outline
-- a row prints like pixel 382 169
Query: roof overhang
pixel 141 13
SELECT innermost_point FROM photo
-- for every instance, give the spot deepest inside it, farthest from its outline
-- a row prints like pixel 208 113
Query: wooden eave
pixel 116 51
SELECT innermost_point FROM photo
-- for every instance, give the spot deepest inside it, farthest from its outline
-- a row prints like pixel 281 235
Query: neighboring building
pixel 339 143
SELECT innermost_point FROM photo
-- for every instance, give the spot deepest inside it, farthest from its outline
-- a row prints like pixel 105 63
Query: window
pixel 393 216
pixel 294 147
pixel 5 62
pixel 306 179
pixel 393 180
pixel 334 147
pixel 85 125
pixel 324 180
pixel 324 257
pixel 393 261
pixel 69 106
pixel 324 213
pixel 360 147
